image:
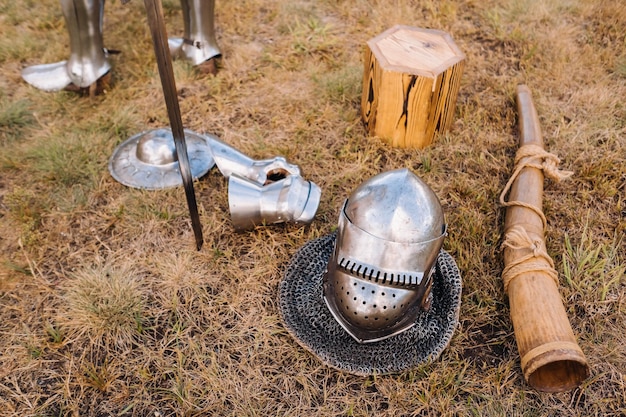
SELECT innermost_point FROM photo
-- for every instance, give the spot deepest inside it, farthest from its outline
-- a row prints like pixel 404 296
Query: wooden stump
pixel 410 85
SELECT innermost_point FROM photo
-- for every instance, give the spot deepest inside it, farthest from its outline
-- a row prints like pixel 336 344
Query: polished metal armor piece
pixel 230 161
pixel 266 191
pixel 379 277
pixel 148 159
pixel 198 44
pixel 260 192
pixel 88 59
pixel 290 199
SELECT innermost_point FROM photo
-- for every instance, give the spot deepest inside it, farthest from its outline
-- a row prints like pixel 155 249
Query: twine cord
pixel 535 261
pixel 516 238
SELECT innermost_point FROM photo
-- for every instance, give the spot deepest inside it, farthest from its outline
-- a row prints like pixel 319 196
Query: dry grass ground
pixel 107 309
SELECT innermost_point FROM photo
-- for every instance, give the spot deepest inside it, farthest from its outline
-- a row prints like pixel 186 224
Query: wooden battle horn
pixel 551 359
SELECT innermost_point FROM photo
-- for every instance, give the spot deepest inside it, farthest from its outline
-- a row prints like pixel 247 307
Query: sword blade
pixel 154 10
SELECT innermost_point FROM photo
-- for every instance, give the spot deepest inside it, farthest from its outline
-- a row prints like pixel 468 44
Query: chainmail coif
pixel 308 320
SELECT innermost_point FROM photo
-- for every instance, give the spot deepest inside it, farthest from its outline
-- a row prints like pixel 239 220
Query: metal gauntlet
pixel 265 191
pixel 291 199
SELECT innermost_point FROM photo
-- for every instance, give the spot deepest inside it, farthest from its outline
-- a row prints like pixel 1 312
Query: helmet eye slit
pixel 371 273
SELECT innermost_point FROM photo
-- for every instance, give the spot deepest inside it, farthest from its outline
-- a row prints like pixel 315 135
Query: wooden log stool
pixel 410 85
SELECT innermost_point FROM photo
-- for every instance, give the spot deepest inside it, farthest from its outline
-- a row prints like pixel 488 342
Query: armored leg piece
pixel 198 45
pixel 88 62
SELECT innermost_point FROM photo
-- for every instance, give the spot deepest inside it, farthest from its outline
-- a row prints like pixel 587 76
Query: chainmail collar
pixel 306 317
